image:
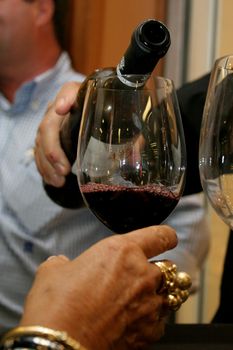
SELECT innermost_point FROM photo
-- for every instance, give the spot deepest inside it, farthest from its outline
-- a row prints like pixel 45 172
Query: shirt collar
pixel 62 62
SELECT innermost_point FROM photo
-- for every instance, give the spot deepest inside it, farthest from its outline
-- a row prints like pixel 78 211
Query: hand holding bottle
pixel 51 161
pixel 149 42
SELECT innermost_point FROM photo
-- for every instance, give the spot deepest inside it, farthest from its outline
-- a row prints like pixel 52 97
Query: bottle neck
pixel 132 81
pixel 149 42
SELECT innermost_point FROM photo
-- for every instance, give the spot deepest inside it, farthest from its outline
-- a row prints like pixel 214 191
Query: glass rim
pixel 225 62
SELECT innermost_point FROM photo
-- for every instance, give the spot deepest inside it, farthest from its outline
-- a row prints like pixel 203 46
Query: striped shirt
pixel 32 227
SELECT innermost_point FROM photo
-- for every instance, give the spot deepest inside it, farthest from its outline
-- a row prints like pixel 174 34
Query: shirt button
pixel 28 247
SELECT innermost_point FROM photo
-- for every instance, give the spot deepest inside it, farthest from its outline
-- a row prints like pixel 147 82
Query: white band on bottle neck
pixel 128 82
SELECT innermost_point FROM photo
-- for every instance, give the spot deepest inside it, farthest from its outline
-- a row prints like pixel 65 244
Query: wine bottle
pixel 150 41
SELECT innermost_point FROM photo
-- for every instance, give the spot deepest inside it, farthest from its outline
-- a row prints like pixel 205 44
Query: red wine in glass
pixel 125 209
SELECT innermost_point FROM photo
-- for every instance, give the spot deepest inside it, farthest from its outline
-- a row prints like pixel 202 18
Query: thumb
pixel 66 98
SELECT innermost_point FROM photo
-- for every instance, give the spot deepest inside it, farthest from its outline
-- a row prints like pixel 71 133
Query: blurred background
pixel 98 31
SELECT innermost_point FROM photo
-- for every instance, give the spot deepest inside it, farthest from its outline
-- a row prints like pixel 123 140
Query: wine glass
pixel 216 141
pixel 131 151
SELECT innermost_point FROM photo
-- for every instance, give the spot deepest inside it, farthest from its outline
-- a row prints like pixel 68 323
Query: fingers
pixel 154 240
pixel 51 160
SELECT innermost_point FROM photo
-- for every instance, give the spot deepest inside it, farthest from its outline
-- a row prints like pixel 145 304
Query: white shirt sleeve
pixel 190 220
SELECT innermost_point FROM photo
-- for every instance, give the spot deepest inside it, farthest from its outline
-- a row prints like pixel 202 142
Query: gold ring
pixel 175 285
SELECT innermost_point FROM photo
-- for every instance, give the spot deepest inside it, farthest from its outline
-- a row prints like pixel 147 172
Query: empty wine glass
pixel 216 141
pixel 131 152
